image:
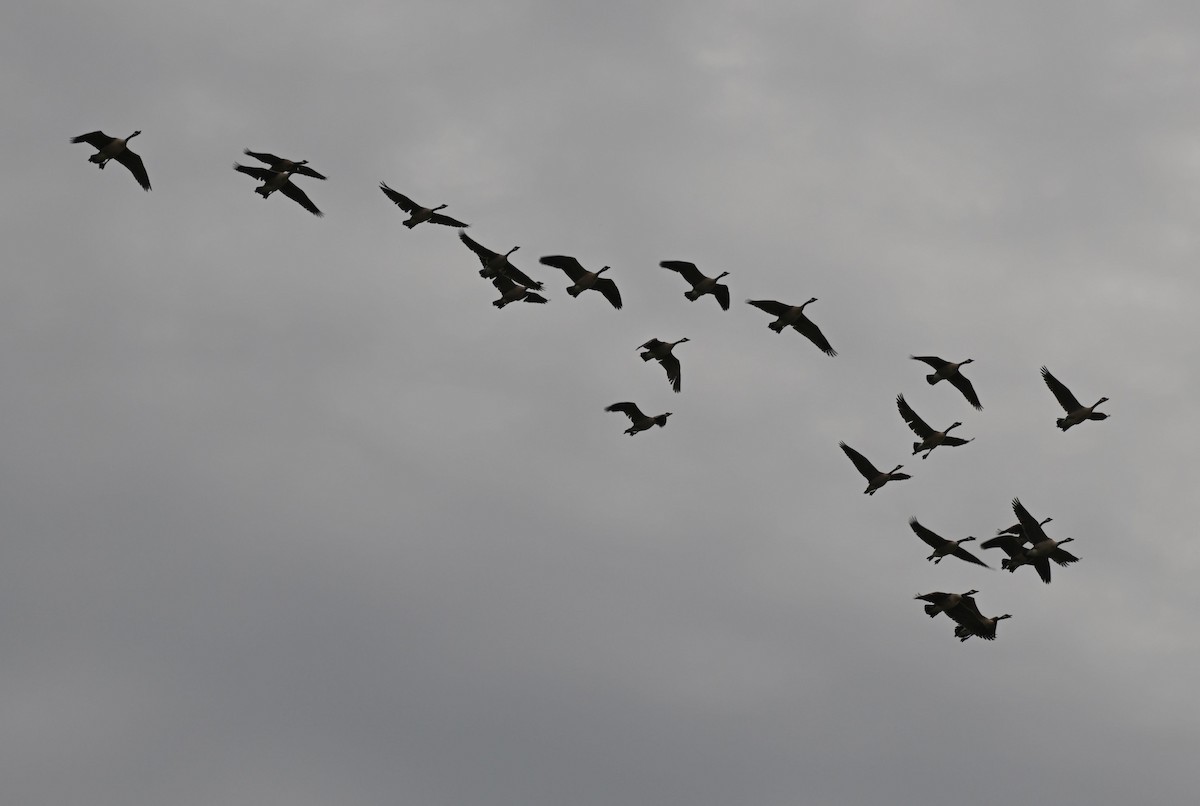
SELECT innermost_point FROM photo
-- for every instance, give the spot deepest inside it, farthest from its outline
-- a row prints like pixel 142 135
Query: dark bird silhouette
pixel 1039 554
pixel 701 285
pixel 949 371
pixel 514 292
pixel 583 279
pixel 1076 412
pixel 661 351
pixel 280 164
pixel 495 264
pixel 793 316
pixel 640 421
pixel 416 213
pixel 115 148
pixel 972 622
pixel 281 181
pixel 875 478
pixel 943 547
pixel 940 602
pixel 930 439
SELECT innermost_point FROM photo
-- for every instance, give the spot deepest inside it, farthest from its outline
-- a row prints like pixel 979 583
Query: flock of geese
pixel 1024 543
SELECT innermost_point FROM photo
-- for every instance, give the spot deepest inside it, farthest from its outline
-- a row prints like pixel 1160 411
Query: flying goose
pixel 114 148
pixel 875 478
pixel 514 292
pixel 661 351
pixel 930 439
pixel 584 279
pixel 940 602
pixel 1039 554
pixel 281 181
pixel 949 371
pixel 280 164
pixel 1076 412
pixel 640 421
pixel 495 264
pixel 793 316
pixel 979 625
pixel 972 622
pixel 701 285
pixel 416 213
pixel 943 547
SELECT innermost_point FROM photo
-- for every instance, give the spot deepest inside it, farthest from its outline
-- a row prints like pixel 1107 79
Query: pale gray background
pixel 293 517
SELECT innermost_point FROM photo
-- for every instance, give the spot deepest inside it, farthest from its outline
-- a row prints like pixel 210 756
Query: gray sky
pixel 294 517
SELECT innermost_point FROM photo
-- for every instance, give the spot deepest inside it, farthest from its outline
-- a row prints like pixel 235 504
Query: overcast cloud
pixel 294 517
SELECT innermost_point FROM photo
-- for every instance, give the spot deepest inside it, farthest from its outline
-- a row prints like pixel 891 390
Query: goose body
pixel 115 148
pixel 496 264
pixel 942 547
pixel 793 316
pixel 973 623
pixel 940 602
pixel 930 438
pixel 656 350
pixel 950 371
pixel 1076 412
pixel 582 279
pixel 638 420
pixel 701 284
pixel 416 213
pixel 514 292
pixel 278 181
pixel 875 478
pixel 281 164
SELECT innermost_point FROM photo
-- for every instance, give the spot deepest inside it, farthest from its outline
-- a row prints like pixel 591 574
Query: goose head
pixel 719 276
pixel 135 134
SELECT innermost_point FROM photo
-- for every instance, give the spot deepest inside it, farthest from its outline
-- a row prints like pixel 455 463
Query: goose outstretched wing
pixel 963 385
pixel 918 426
pixel 610 291
pixel 770 306
pixel 299 197
pixel 630 410
pixel 808 328
pixel 686 269
pixel 1061 393
pixel 861 462
pixel 569 265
